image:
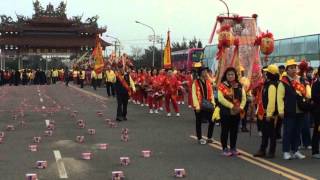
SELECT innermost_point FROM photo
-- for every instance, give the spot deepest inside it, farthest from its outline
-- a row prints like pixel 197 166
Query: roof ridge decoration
pixel 39 11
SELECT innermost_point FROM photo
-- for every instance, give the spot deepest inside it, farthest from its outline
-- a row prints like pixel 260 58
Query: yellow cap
pixel 291 62
pixel 197 64
pixel 272 68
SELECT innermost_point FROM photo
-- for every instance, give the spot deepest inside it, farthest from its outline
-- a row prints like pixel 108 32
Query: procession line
pixel 89 93
pixel 60 165
pixel 273 167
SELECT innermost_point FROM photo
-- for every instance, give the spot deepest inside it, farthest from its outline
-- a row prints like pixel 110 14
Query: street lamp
pixel 154 36
pixel 115 46
pixel 226 6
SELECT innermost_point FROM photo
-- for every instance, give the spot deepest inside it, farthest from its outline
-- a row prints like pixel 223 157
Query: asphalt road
pixel 169 139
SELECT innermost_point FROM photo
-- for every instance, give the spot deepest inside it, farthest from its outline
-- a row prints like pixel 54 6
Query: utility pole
pixel 161 42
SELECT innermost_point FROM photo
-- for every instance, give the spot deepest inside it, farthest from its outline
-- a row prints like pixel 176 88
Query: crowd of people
pixel 285 105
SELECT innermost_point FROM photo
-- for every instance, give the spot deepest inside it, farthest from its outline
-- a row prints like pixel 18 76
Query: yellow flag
pixel 167 53
pixel 98 57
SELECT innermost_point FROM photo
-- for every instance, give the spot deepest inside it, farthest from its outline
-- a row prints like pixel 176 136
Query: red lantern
pixel 225 36
pixel 266 43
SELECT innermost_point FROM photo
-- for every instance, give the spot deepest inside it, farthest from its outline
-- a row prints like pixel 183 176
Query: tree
pixel 199 44
pixel 193 43
pixel 136 52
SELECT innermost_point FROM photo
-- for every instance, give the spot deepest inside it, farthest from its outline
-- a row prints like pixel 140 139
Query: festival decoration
pixel 266 43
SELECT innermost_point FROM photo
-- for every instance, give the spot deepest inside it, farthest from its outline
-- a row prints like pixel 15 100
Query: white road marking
pixel 41 99
pixel 43 107
pixel 60 165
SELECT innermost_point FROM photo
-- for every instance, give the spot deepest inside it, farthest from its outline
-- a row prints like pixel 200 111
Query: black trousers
pixel 122 100
pixel 316 134
pixel 245 120
pixel 229 126
pixel 204 116
pixel 268 135
pixel 110 89
pixel 278 128
pixel 81 83
pixel 94 83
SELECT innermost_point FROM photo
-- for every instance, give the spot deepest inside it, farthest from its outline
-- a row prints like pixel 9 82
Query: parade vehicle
pixel 184 59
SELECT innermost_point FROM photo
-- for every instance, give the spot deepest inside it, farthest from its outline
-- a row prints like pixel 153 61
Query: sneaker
pixel 169 114
pixel 142 105
pixel 202 141
pixel 190 106
pixel 260 133
pixel 156 111
pixel 210 141
pixel 182 102
pixel 316 156
pixel 125 119
pixel 235 152
pixel 179 102
pixel 138 102
pixel 151 111
pixel 298 155
pixel 226 153
pixel 178 114
pixel 260 154
pixel 161 108
pixel 147 105
pixel 309 147
pixel 287 156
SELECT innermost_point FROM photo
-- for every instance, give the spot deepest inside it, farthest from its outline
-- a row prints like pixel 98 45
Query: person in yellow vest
pixel 110 80
pixel 55 75
pixel 82 76
pixel 292 94
pixel 202 91
pixel 231 101
pixel 94 78
pixel 75 76
pixel 268 112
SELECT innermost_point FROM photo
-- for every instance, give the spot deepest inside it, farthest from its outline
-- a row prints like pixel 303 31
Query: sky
pixel 184 18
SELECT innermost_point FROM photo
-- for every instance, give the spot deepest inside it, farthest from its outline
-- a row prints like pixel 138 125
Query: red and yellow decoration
pixel 167 53
pixel 266 43
pixel 98 57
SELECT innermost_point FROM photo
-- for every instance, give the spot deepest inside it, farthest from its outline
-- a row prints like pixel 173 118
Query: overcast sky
pixel 184 18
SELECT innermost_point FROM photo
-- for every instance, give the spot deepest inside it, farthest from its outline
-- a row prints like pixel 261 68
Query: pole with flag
pixel 167 53
pixel 97 56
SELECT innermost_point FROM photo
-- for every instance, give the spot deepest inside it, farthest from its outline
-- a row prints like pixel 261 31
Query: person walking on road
pixel 124 87
pixel 269 112
pixel 292 94
pixel 232 100
pixel 316 116
pixel 202 91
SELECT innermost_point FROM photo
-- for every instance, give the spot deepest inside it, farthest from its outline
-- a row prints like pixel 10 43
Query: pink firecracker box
pixel 91 131
pixel 125 131
pixel 81 124
pixel 31 176
pixel 41 164
pixel 179 173
pixel 86 155
pixel 36 139
pixel 124 137
pixel 50 127
pixel 146 153
pixel 124 161
pixel 80 139
pixel 103 146
pixel 117 175
pixel 33 148
pixel 112 125
pixel 48 133
pixel 10 128
pixel 2 134
pixel 1 140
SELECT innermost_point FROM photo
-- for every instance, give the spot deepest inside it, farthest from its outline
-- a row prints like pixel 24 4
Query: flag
pixel 167 53
pixel 97 56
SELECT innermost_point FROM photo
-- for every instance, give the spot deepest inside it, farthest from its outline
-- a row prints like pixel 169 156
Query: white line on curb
pixel 47 122
pixel 60 165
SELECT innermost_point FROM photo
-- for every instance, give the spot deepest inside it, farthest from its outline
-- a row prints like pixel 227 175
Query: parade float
pixel 239 45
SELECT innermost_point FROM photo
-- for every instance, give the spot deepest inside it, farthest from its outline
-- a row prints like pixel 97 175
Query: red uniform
pixel 189 80
pixel 171 86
